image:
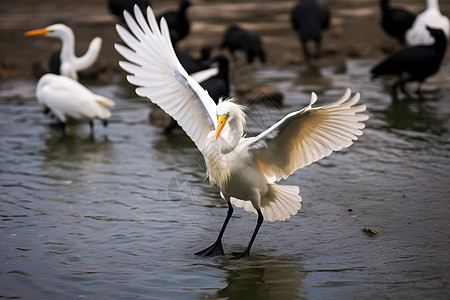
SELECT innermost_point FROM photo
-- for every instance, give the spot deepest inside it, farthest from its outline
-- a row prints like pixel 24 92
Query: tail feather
pixel 103 101
pixel 279 204
pixel 103 112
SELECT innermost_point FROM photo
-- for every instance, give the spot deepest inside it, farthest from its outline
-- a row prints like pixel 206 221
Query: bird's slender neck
pixel 183 8
pixel 68 52
pixel 433 4
pixel 68 46
pixel 90 56
pixel 230 139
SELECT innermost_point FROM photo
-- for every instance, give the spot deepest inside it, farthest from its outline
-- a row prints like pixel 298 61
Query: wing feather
pixel 158 75
pixel 308 135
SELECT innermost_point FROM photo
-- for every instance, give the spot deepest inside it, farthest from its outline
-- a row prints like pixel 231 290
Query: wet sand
pixel 355 31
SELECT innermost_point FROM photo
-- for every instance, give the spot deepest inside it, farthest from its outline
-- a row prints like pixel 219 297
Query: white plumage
pixel 70 63
pixel 67 99
pixel 432 17
pixel 244 168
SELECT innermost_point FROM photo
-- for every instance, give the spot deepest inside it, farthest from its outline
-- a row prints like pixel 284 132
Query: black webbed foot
pixel 215 249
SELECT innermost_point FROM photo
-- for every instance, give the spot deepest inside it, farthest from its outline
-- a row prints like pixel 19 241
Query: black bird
pixel 395 21
pixel 413 63
pixel 192 64
pixel 177 21
pixel 241 42
pixel 55 62
pixel 219 85
pixel 117 7
pixel 309 18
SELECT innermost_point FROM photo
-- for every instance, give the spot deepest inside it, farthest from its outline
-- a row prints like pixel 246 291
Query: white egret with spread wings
pixel 245 169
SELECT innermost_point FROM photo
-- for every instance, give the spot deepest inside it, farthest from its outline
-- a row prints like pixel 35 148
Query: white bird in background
pixel 68 99
pixel 70 63
pixel 431 17
pixel 244 168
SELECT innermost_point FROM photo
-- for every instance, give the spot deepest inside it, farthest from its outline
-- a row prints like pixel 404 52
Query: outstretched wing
pixel 308 135
pixel 155 69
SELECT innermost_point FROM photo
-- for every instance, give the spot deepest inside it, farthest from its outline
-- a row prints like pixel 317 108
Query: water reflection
pixel 79 149
pixel 418 116
pixel 262 277
pixel 69 157
pixel 312 79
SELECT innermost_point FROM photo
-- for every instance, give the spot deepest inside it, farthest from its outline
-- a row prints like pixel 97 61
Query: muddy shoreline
pixel 355 31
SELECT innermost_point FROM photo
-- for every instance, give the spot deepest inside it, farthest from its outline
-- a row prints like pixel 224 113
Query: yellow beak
pixel 42 31
pixel 221 121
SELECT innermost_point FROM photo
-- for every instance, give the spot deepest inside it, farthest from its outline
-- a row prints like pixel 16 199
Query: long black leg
pixel 306 53
pixel 217 248
pixel 403 89
pixel 63 127
pixel 318 49
pixel 255 232
pixel 46 110
pixel 394 91
pixel 419 92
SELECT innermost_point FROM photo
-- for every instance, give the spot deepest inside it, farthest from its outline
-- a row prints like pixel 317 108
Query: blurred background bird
pixel 415 63
pixel 193 64
pixel 218 86
pixel 116 7
pixel 178 21
pixel 309 18
pixel 395 21
pixel 243 45
pixel 432 17
pixel 65 62
pixel 68 100
pixel 60 93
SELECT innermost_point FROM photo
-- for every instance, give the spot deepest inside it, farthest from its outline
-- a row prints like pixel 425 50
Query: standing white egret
pixel 431 17
pixel 70 64
pixel 244 168
pixel 67 99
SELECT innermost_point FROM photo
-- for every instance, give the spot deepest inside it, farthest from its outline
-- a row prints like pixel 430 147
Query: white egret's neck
pixel 231 137
pixel 68 45
pixel 88 59
pixel 234 129
pixel 68 51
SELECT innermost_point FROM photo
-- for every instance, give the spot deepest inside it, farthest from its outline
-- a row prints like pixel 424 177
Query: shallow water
pixel 118 215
